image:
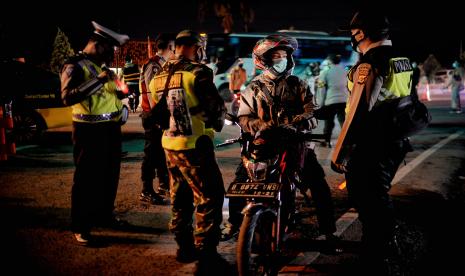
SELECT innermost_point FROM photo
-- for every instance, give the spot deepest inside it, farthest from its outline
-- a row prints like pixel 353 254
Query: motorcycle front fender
pixel 254 208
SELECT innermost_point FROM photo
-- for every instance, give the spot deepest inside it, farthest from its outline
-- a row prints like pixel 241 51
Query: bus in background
pixel 313 47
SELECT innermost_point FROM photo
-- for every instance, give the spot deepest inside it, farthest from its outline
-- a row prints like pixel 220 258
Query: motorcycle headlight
pixel 257 171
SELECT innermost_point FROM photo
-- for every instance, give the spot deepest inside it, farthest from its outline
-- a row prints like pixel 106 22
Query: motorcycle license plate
pixel 262 190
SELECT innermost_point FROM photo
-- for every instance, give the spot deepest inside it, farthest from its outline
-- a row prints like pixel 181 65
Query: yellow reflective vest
pixel 103 105
pixel 397 84
pixel 186 122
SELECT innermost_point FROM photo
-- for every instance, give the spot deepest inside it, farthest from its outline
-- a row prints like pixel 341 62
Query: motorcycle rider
pixel 276 98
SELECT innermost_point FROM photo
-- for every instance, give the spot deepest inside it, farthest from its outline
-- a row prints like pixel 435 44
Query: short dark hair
pixel 163 40
pixel 335 59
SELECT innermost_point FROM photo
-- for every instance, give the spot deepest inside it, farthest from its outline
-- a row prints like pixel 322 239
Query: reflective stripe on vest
pixel 101 106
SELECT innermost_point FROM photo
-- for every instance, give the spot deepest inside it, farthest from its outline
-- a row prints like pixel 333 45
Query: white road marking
pixel 20 148
pixel 420 158
pixel 350 216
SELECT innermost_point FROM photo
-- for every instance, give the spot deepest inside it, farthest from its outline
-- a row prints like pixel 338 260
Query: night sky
pixel 417 30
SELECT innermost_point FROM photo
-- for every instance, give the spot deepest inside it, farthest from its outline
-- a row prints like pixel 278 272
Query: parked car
pixel 35 96
pixel 442 76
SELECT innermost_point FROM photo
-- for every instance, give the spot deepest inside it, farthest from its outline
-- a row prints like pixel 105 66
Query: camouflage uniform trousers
pixel 196 185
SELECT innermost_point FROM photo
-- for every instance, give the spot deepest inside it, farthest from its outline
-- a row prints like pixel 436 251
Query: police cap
pixel 112 37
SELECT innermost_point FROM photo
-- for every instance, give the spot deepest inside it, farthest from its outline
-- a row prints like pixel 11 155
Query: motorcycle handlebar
pixel 229 142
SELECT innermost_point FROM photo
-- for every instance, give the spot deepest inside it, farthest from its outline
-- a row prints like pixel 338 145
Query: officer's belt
pixel 97 118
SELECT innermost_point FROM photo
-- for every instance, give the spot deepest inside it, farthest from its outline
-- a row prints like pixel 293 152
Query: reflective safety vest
pixel 131 74
pixel 103 105
pixel 397 83
pixel 186 123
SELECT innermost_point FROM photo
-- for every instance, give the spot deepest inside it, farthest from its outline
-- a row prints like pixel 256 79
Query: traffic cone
pixel 7 146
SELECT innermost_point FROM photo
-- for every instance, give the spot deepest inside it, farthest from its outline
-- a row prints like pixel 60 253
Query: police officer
pixel 131 76
pixel 154 162
pixel 384 79
pixel 195 111
pixel 89 87
pixel 276 98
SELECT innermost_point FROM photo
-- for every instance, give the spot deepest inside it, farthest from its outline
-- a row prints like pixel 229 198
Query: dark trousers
pixel 333 110
pixel 97 157
pixel 154 161
pixel 134 89
pixel 313 179
pixel 370 172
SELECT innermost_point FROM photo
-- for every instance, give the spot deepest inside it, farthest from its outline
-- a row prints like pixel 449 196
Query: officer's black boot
pixel 163 185
pixel 186 252
pixel 149 195
pixel 383 257
pixel 211 263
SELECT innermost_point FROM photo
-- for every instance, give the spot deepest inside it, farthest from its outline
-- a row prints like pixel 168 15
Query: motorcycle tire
pixel 28 127
pixel 256 246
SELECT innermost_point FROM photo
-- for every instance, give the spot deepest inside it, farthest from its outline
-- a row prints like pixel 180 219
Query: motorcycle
pixel 270 192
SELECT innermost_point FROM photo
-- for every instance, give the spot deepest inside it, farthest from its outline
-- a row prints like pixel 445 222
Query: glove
pixel 107 74
pixel 265 125
pixel 305 122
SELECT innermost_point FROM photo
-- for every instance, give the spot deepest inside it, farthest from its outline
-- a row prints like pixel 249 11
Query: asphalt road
pixel 34 204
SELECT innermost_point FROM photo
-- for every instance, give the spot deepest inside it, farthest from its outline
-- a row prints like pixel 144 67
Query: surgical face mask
pixel 200 54
pixel 354 43
pixel 280 64
pixel 455 64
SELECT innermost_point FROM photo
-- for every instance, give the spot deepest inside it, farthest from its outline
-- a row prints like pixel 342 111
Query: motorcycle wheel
pixel 28 127
pixel 256 246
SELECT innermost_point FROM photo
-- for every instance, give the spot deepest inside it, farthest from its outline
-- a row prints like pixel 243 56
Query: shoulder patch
pixel 363 71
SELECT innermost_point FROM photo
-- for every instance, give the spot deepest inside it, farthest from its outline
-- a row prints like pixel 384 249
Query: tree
pixel 223 11
pixel 247 14
pixel 430 66
pixel 61 51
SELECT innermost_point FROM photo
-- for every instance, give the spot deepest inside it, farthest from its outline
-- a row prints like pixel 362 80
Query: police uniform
pixel 154 155
pixel 376 152
pixel 196 185
pixel 96 113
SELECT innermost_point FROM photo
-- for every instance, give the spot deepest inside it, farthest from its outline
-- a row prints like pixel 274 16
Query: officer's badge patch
pixel 363 72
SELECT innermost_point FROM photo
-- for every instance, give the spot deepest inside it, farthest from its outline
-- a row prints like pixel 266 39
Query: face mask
pixel 200 55
pixel 354 43
pixel 280 65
